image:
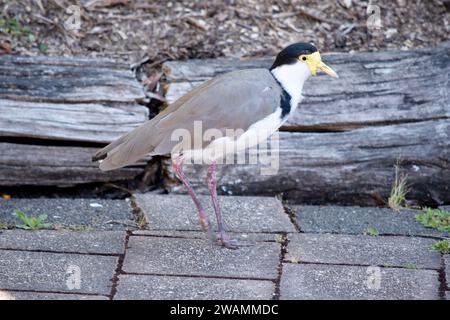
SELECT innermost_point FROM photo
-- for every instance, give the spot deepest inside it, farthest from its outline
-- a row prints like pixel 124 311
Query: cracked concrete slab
pixel 356 220
pixel 240 214
pixel 85 214
pixel 104 242
pixel 61 272
pixel 398 251
pixel 138 287
pixel 311 281
pixel 198 257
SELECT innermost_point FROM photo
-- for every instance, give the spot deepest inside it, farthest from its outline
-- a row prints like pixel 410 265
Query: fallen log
pixel 55 110
pixel 346 136
pixel 86 122
pixel 22 164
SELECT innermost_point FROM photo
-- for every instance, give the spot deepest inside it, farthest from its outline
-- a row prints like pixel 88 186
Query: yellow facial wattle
pixel 315 63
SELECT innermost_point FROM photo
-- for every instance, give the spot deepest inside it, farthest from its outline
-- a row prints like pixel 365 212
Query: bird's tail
pixel 126 150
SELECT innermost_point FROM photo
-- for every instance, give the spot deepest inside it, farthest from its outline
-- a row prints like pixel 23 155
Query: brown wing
pixel 235 100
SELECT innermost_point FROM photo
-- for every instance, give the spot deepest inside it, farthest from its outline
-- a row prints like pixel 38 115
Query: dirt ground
pixel 160 30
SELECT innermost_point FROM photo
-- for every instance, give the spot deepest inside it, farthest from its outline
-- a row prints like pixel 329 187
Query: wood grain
pixel 53 109
pixel 373 88
pixel 347 167
pixel 22 164
pixel 344 139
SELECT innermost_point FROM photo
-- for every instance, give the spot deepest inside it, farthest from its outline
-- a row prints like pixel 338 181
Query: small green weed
pixel 31 223
pixel 442 246
pixel 410 266
pixel 371 231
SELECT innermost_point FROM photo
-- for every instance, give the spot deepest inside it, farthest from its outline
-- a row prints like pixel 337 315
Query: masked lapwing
pixel 252 102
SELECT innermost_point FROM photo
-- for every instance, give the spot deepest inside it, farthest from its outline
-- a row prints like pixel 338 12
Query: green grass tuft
pixel 442 246
pixel 399 189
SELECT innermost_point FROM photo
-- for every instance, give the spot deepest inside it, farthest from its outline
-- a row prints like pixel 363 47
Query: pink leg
pixel 204 221
pixel 212 186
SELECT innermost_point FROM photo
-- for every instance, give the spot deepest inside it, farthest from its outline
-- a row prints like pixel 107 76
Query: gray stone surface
pixel 447 269
pixel 240 236
pixel 21 295
pixel 95 214
pixel 160 288
pixel 309 281
pixel 363 250
pixel 105 242
pixel 152 255
pixel 356 220
pixel 39 271
pixel 241 214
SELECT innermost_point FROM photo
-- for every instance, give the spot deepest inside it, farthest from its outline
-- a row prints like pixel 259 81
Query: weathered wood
pixel 347 167
pixel 89 122
pixel 22 164
pixel 66 80
pixel 373 88
pixel 71 103
pixel 342 143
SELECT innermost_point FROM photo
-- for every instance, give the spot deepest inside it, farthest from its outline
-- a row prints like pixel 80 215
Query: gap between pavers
pixel 394 251
pixel 310 281
pixel 59 272
pixel 92 214
pixel 140 287
pixel 200 257
pixel 246 238
pixel 240 214
pixel 94 242
pixel 356 220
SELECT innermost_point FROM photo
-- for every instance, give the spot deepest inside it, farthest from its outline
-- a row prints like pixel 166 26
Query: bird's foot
pixel 224 240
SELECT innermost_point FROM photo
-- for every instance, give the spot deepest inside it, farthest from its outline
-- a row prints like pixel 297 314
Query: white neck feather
pixel 292 77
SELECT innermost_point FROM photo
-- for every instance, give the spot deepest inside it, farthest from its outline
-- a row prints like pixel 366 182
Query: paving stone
pixel 105 242
pixel 310 281
pixel 356 220
pixel 20 295
pixel 241 214
pixel 40 271
pixel 243 237
pixel 95 214
pixel 363 250
pixel 133 287
pixel 152 255
pixel 447 269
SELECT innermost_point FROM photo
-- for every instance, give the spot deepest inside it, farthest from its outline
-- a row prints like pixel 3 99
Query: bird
pixel 249 102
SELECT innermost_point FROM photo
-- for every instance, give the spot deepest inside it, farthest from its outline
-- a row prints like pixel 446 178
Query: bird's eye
pixel 304 58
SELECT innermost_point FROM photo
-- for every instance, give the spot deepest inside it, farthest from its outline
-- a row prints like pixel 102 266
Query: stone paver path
pixel 289 252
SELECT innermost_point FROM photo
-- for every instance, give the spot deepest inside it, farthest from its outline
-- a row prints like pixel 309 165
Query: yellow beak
pixel 315 63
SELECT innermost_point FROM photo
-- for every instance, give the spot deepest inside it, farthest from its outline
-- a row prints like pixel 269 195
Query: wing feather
pixel 235 100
